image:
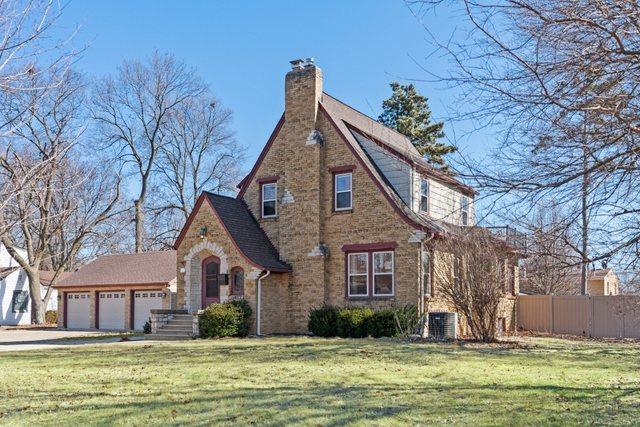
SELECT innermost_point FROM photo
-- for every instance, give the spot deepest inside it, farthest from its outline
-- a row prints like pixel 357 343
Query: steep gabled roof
pixel 389 139
pixel 337 113
pixel 246 233
pixel 243 230
pixel 157 267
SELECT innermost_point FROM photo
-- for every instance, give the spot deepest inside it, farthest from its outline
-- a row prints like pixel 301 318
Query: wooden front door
pixel 210 281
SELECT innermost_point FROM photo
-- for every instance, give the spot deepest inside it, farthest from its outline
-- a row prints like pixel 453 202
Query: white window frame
pixel 349 274
pixel 275 199
pixel 335 191
pixel 426 196
pixel 464 210
pixel 393 275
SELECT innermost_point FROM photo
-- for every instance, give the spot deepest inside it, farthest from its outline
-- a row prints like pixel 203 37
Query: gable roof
pixel 391 140
pixel 338 113
pixel 243 230
pixel 345 120
pixel 246 233
pixel 46 276
pixel 125 269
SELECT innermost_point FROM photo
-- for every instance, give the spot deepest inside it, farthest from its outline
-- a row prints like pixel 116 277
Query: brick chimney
pixel 303 89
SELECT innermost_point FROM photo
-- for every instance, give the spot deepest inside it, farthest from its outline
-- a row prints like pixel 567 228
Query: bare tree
pixel 559 79
pixel 200 154
pixel 25 27
pixel 132 110
pixel 551 259
pixel 470 276
pixel 54 211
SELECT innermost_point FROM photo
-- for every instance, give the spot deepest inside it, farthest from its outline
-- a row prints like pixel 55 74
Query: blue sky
pixel 243 50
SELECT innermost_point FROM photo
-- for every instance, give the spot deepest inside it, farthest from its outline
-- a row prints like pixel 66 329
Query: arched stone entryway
pixel 193 271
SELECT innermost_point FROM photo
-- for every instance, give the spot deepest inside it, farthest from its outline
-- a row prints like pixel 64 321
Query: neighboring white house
pixel 15 301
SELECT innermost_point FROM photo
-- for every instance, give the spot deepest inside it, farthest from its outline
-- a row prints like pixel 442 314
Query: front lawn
pixel 279 381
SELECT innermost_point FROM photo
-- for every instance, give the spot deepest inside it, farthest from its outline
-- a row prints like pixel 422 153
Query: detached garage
pixel 117 292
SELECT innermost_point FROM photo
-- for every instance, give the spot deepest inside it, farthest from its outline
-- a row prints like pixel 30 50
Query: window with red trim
pixel 237 281
pixel 370 273
pixel 342 191
pixel 269 193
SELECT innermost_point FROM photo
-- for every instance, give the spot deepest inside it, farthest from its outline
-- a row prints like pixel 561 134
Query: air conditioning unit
pixel 443 325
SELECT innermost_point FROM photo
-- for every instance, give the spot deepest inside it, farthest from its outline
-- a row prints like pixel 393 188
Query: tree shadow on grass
pixel 340 405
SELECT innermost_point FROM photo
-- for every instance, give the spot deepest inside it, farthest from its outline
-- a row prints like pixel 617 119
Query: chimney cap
pixel 299 64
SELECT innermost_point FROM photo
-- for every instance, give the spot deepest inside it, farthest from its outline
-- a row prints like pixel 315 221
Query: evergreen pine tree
pixel 408 112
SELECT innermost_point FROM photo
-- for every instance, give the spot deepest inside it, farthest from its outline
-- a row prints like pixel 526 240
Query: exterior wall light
pixel 202 231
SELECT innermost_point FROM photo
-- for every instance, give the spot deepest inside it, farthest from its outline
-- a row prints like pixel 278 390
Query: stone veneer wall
pixel 193 250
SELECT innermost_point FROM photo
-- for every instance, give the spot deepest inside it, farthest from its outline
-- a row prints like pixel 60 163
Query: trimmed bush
pixel 51 317
pixel 323 321
pixel 352 322
pixel 228 319
pixel 382 323
pixel 245 308
pixel 359 322
pixel 147 327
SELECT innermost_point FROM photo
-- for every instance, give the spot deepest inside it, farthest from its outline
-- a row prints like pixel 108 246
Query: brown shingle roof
pixel 125 269
pixel 46 276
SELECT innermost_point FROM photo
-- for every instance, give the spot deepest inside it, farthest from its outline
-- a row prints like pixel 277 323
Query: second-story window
pixel 342 190
pixel 269 195
pixel 464 210
pixel 424 196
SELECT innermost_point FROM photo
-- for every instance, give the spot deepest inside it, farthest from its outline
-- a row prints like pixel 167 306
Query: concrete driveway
pixel 15 339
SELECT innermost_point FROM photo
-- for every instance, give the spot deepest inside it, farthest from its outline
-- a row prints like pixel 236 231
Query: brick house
pixel 338 209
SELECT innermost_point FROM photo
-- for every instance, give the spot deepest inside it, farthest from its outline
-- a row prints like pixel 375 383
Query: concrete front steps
pixel 180 327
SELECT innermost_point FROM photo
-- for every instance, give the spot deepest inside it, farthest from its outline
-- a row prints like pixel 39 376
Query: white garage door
pixel 78 311
pixel 111 310
pixel 144 302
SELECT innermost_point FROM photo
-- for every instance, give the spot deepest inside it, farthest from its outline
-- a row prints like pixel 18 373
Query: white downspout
pixel 259 302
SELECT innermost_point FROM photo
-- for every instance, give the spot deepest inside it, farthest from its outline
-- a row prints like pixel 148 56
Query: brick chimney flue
pixel 303 89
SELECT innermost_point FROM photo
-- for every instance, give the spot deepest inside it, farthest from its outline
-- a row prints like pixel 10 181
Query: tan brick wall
pixel 216 234
pixel 303 172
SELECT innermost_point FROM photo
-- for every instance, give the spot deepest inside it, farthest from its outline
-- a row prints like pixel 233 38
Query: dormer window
pixel 269 196
pixel 343 191
pixel 424 196
pixel 464 210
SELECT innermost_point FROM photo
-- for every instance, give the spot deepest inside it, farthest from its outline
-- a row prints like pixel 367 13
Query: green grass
pixel 309 381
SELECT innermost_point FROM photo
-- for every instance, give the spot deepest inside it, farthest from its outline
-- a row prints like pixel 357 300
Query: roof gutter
pixel 259 302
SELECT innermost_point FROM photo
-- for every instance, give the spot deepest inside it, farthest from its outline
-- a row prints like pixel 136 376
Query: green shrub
pixel 147 327
pixel 352 322
pixel 323 321
pixel 229 319
pixel 245 308
pixel 382 323
pixel 51 317
pixel 407 320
